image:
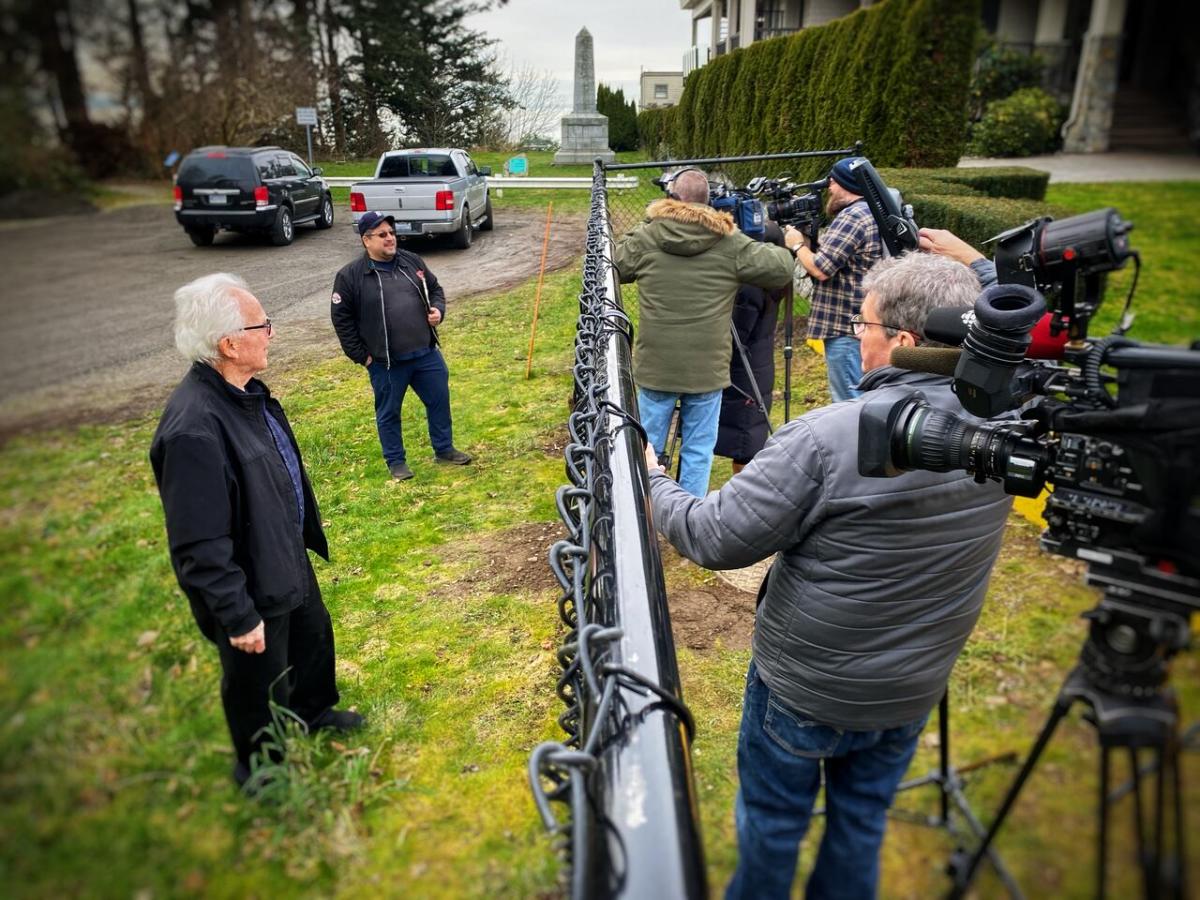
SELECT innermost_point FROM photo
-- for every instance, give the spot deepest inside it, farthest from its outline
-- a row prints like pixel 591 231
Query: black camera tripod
pixel 1121 677
pixel 948 779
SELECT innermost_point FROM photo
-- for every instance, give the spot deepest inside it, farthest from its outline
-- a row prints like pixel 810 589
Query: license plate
pixel 217 199
pixel 404 226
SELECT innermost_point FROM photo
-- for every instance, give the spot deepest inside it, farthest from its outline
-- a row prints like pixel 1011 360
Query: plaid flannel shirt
pixel 848 247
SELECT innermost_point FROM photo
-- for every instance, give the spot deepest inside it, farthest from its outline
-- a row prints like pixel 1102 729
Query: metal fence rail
pixel 624 769
pixel 514 182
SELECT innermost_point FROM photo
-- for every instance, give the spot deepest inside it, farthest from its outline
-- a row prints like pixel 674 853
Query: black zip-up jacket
pixel 230 506
pixel 357 305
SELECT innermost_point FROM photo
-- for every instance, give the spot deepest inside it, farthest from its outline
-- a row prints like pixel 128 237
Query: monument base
pixel 584 139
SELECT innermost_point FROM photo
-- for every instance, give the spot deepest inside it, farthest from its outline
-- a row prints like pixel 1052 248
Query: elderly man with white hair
pixel 241 517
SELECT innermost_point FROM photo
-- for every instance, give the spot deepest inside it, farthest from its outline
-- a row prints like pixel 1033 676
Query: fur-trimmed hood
pixel 686 229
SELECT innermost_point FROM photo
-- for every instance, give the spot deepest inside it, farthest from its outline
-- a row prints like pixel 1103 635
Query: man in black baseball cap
pixel 386 306
pixel 371 219
pixel 849 246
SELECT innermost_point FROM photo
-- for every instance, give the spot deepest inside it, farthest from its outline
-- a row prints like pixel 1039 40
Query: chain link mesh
pixel 605 697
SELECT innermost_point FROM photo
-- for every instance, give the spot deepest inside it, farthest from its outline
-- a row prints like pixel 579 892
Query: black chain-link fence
pixel 627 206
pixel 623 771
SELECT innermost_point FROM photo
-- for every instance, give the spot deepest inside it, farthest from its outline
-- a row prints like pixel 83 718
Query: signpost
pixel 307 116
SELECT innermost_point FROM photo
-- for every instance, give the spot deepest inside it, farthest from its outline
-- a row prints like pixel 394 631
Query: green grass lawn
pixel 1166 219
pixel 114 760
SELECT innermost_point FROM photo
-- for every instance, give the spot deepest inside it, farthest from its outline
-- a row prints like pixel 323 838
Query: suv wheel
pixel 326 218
pixel 488 222
pixel 284 230
pixel 201 236
pixel 462 237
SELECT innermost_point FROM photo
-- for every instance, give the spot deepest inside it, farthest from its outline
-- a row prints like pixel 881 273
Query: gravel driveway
pixel 86 309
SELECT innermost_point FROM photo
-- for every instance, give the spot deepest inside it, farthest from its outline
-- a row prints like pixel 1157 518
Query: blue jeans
pixel 699 415
pixel 781 757
pixel 844 361
pixel 430 379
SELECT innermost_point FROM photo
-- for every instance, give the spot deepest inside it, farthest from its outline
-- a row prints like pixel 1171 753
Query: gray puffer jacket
pixel 878 582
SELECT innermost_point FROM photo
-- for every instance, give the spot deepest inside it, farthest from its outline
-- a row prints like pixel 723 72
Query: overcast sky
pixel 627 36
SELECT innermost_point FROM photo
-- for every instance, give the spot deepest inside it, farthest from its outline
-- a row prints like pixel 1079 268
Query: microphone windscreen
pixel 934 360
pixel 948 324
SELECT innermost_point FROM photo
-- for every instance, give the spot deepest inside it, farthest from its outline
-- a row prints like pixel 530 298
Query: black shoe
pixel 452 457
pixel 400 471
pixel 251 783
pixel 337 720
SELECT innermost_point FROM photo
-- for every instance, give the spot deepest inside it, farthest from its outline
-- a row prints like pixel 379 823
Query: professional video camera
pixel 1122 452
pixel 747 211
pixel 791 203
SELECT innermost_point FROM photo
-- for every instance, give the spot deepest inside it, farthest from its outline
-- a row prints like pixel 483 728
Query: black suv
pixel 249 189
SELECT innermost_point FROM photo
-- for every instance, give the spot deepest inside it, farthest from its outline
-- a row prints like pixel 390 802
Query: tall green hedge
pixel 895 76
pixel 654 129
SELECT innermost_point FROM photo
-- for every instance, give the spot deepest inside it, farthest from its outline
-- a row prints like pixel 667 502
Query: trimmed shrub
pixel 1015 182
pixel 895 76
pixel 1000 72
pixel 1025 124
pixel 976 219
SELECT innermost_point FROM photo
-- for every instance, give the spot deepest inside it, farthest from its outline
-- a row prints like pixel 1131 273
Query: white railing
pixel 622 182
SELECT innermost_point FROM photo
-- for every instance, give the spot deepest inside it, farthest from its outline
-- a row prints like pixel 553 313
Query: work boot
pixel 452 457
pixel 400 471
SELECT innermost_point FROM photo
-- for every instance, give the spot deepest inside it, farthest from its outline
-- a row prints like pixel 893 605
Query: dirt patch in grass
pixel 512 561
pixel 706 612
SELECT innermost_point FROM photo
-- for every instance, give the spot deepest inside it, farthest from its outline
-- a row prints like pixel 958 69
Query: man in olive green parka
pixel 688 260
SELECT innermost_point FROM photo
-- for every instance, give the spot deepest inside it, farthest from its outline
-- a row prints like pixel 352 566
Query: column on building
pixel 1087 127
pixel 1051 44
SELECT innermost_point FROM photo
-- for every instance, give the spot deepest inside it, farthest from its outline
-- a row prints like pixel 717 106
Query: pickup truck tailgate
pixel 401 194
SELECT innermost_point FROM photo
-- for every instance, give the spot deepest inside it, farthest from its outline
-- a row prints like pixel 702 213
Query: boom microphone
pixel 934 360
pixel 949 325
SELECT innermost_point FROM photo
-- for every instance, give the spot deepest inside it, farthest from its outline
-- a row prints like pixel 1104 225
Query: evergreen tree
pixel 622 117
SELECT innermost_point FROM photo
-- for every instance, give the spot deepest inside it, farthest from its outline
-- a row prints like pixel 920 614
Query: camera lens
pixel 919 436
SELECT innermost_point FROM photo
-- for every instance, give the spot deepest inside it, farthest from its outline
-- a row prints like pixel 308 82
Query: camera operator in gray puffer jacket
pixel 876 588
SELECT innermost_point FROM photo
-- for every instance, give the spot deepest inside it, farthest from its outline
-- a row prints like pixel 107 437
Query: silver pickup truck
pixel 429 191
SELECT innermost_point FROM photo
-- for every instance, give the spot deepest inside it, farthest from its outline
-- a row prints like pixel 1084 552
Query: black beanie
pixel 843 173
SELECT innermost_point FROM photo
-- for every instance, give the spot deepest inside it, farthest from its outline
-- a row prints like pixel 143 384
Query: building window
pixel 660 92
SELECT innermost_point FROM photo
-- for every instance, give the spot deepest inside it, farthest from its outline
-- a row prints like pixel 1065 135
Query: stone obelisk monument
pixel 584 131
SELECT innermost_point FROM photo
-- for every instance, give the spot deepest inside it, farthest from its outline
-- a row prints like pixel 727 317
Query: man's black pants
pixel 300 643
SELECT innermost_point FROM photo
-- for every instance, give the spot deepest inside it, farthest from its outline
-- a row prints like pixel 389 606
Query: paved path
pixel 86 305
pixel 1093 167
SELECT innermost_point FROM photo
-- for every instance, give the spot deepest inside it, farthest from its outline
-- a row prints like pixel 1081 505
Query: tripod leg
pixel 1160 785
pixel 675 432
pixel 944 753
pixel 963 874
pixel 1181 857
pixel 1102 837
pixel 1139 826
pixel 788 325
